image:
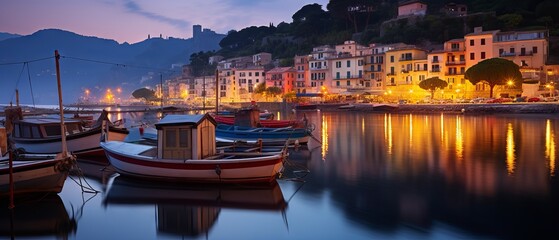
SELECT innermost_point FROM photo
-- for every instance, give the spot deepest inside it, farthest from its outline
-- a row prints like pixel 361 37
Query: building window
pixel 534 50
pixel 337 75
pixel 338 64
pixel 348 74
pixel 391 59
pixel 471 42
pixel 472 56
pixel 483 41
pixel 482 55
pixel 348 83
pixel 348 63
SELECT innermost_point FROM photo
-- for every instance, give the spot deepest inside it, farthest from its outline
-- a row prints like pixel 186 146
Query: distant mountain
pixel 88 63
pixel 4 36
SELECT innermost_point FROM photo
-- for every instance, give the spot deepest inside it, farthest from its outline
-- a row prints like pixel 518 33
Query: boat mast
pixel 62 126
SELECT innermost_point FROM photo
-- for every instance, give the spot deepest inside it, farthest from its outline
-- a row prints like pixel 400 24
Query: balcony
pixel 391 74
pixel 454 73
pixel 527 53
pixel 505 54
pixel 456 63
pixel 435 70
pixel 405 59
pixel 348 77
pixel 458 49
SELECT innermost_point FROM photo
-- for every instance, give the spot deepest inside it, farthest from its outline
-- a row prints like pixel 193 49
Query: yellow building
pixel 405 68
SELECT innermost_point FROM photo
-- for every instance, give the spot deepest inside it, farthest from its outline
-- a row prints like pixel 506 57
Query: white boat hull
pixel 127 160
pixel 82 144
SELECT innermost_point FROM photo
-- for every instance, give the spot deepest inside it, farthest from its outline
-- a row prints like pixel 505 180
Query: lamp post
pixel 87 96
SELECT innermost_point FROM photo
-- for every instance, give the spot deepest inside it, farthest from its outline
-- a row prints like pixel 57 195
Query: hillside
pixel 87 63
pixel 375 21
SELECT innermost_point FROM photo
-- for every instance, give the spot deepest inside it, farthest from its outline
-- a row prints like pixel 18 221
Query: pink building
pixel 282 77
pixel 413 7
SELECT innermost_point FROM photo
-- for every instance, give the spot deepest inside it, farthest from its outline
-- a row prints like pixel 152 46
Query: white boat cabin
pixel 186 137
pixel 39 128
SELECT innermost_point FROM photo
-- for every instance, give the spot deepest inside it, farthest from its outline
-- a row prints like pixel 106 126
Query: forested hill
pixel 369 21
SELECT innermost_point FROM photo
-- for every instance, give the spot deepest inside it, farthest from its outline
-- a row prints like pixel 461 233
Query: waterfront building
pixel 238 76
pixel 375 69
pixel 528 49
pixel 347 73
pixel 454 67
pixel 405 67
pixel 281 77
pixel 319 70
pixel 302 80
pixel 248 78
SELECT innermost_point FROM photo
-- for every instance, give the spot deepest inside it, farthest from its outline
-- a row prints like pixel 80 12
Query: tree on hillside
pixel 144 93
pixel 432 84
pixel 310 21
pixel 199 63
pixel 358 13
pixel 494 71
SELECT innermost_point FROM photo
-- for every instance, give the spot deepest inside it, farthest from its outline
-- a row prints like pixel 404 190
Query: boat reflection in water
pixel 191 210
pixel 44 218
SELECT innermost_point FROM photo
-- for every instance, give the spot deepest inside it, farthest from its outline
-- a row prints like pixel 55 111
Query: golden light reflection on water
pixel 482 153
pixel 324 139
pixel 459 140
pixel 510 149
pixel 442 128
pixel 411 129
pixel 550 147
pixel 388 132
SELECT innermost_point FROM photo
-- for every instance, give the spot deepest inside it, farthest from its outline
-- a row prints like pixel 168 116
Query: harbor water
pixel 363 176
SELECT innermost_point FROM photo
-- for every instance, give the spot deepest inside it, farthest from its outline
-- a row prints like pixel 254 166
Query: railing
pixel 504 54
pixel 350 77
pixel 456 63
pixel 458 49
pixel 454 73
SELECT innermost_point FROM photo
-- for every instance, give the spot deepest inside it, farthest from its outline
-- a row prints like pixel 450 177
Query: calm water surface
pixel 375 175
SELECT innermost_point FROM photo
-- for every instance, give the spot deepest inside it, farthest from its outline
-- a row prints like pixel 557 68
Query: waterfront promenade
pixel 466 108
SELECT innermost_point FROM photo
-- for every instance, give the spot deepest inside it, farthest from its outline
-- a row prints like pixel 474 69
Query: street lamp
pixel 87 95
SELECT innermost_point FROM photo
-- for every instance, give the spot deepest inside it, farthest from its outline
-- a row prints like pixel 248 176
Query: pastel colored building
pixel 281 77
pixel 319 70
pixel 302 80
pixel 410 8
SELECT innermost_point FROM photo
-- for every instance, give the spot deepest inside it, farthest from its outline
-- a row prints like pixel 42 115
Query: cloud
pixel 133 7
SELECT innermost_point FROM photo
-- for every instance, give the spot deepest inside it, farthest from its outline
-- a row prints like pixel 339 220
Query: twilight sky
pixel 132 20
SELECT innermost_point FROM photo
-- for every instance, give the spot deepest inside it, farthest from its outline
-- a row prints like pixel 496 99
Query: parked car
pixel 500 100
pixel 534 99
pixel 480 100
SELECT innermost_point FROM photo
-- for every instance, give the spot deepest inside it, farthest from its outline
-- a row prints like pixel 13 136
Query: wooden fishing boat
pixel 186 151
pixel 32 174
pixel 271 123
pixel 35 174
pixel 268 136
pixel 43 135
